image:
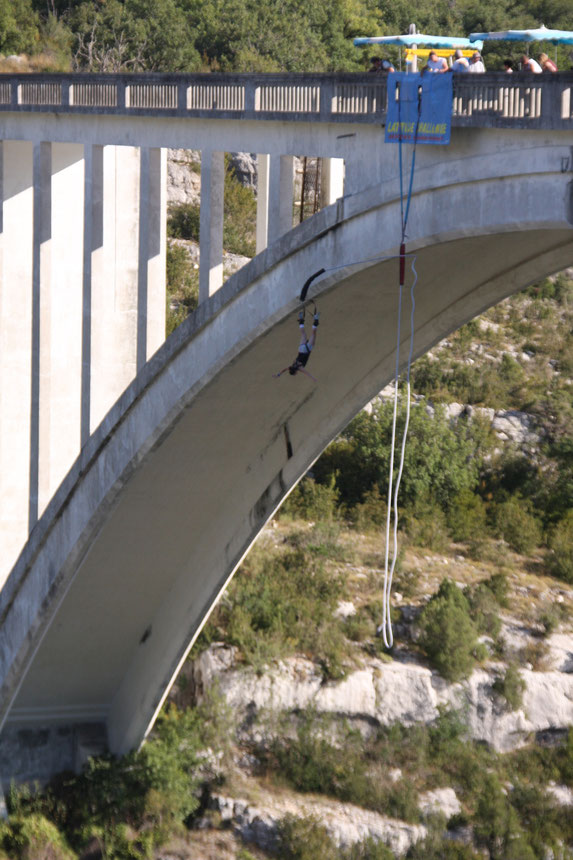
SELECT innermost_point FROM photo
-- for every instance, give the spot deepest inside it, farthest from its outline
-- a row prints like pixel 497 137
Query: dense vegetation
pixel 243 35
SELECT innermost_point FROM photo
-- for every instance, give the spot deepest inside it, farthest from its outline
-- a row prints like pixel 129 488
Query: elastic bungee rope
pixel 386 626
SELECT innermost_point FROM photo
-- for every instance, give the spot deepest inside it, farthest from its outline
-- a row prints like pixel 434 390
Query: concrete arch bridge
pixel 166 495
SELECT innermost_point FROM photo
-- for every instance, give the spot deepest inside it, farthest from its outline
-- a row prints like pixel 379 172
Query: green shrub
pixel 515 523
pixel 368 850
pixel 370 514
pixel 426 526
pixel 484 610
pixel 565 763
pixel 312 501
pixel 498 585
pixel 560 555
pixel 303 839
pixel 511 687
pixel 467 517
pixel 182 287
pixel 240 216
pixel 496 825
pixel 448 634
pixel 33 836
pixel 183 221
pixel 535 653
pixel 435 847
pixel 311 763
pixel 282 604
pixel 551 617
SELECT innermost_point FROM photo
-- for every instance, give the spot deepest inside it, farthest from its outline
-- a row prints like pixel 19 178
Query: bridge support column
pixel 281 194
pixel 262 201
pixel 152 243
pixel 122 205
pixel 331 180
pixel 17 208
pixel 40 447
pixel 61 302
pixel 211 223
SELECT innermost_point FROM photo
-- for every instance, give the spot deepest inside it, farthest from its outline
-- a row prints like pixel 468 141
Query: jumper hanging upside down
pixel 304 349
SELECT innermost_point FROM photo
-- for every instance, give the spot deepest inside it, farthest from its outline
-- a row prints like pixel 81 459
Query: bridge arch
pixel 174 486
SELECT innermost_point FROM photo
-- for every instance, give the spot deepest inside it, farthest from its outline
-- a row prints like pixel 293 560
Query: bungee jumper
pixel 305 347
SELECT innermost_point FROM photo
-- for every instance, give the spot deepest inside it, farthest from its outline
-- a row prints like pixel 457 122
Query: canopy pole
pixel 414 63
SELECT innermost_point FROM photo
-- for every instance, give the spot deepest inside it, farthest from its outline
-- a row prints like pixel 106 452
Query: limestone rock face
pixel 183 176
pixel 388 692
pixel 441 800
pixel 244 166
pixel 345 823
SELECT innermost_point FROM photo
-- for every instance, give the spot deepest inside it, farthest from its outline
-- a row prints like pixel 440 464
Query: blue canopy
pixel 539 34
pixel 420 40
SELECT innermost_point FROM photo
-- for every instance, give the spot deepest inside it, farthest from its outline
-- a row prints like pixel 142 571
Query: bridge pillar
pixel 281 195
pixel 17 206
pixel 211 223
pixel 152 243
pixel 332 180
pixel 262 201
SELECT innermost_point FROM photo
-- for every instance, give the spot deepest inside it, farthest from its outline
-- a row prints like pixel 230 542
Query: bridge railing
pixel 491 99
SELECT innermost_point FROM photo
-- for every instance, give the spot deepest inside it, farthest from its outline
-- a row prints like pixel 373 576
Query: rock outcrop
pixel 398 691
pixel 345 823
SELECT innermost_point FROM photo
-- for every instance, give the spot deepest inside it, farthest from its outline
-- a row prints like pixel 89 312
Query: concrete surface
pixel 171 490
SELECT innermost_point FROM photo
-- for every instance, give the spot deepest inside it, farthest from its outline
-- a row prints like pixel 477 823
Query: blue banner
pixel 419 108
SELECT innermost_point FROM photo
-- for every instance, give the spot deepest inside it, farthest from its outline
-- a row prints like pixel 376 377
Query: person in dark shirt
pixel 304 349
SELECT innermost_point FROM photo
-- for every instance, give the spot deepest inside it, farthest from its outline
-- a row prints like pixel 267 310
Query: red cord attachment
pixel 402 264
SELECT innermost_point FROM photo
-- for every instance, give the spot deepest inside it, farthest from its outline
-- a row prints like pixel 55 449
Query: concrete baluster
pixel 281 195
pixel 211 223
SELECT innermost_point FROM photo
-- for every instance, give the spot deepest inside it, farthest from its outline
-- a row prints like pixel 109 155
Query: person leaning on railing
pixel 476 63
pixel 435 63
pixel 528 64
pixel 546 64
pixel 461 63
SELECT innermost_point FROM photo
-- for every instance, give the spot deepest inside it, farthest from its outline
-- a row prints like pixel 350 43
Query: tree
pixel 449 636
pixel 560 557
pixel 440 460
pixel 138 35
pixel 18 26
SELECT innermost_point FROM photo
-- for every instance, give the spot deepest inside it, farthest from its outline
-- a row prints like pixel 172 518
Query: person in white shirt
pixel 461 63
pixel 476 63
pixel 435 63
pixel 528 64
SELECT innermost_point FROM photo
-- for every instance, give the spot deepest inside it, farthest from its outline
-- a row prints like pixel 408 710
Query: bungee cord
pixel 386 626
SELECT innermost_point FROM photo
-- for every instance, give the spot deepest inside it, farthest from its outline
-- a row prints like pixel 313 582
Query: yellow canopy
pixel 441 52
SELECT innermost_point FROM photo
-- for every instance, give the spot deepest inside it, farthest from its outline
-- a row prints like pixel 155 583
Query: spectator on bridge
pixel 304 349
pixel 508 66
pixel 528 64
pixel 380 65
pixel 461 63
pixel 546 64
pixel 476 63
pixel 435 63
